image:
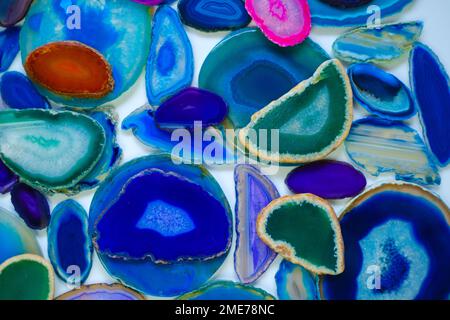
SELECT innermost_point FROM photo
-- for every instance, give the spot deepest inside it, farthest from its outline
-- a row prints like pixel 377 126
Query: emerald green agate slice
pixel 26 277
pixel 50 150
pixel 304 230
pixel 307 123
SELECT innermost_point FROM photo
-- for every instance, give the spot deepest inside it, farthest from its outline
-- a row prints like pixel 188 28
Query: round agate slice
pixel 296 283
pixel 144 275
pixel 396 238
pixel 114 292
pixel 124 45
pixel 235 67
pixel 227 290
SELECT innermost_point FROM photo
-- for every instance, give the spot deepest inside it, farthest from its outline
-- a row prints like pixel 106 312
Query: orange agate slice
pixel 70 68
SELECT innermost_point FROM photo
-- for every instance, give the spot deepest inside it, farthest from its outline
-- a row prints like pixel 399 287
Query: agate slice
pixel 170 65
pixel 226 290
pixel 12 11
pixel 431 87
pixel 26 277
pixel 307 123
pixel 213 15
pixel 31 205
pixel 152 2
pixel 346 13
pixel 396 237
pixel 380 146
pixel 18 92
pixel 381 93
pixel 304 230
pixel 253 192
pixel 383 45
pixel 9 47
pixel 188 106
pixel 7 179
pixel 328 179
pixel 50 150
pixel 296 283
pixel 235 67
pixel 69 244
pixel 108 292
pixel 284 22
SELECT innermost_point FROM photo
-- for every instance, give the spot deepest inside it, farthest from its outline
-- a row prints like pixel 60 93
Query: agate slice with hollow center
pixel 31 205
pixel 107 292
pixel 396 240
pixel 296 283
pixel 226 290
pixel 9 47
pixel 304 230
pixel 18 92
pixel 307 123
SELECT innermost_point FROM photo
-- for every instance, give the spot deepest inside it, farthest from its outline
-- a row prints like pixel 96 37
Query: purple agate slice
pixel 253 192
pixel 189 105
pixel 328 179
pixel 7 178
pixel 115 292
pixel 12 11
pixel 31 205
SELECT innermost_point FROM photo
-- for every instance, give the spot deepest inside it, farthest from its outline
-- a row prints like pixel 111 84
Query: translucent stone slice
pixel 100 291
pixel 12 11
pixel 296 283
pixel 9 47
pixel 7 178
pixel 227 290
pixel 31 205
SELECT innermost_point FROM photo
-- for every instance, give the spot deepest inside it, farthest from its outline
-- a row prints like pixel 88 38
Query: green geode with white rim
pixel 50 150
pixel 307 123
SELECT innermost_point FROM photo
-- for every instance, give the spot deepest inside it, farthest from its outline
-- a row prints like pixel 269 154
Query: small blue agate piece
pixel 7 178
pixel 431 87
pixel 214 15
pixel 296 283
pixel 227 290
pixel 170 65
pixel 9 47
pixel 69 245
pixel 381 93
pixel 18 92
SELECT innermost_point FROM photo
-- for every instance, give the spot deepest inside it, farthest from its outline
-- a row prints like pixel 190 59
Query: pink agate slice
pixel 284 22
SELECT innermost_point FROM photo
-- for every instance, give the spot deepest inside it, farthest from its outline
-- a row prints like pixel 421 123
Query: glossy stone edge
pixel 100 286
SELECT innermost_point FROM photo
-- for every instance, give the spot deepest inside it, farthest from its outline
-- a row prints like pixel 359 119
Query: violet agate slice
pixel 327 179
pixel 7 178
pixel 12 11
pixel 253 192
pixel 114 292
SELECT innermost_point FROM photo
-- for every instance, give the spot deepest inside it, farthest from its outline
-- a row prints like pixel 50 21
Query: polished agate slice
pixel 7 178
pixel 296 283
pixel 101 291
pixel 31 205
pixel 18 92
pixel 9 47
pixel 12 11
pixel 227 290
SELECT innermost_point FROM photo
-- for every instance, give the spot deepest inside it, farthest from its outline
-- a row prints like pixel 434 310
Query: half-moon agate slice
pixel 396 238
pixel 227 290
pixel 101 291
pixel 296 283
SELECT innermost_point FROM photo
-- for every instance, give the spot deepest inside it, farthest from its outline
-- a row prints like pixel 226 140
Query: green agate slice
pixel 304 229
pixel 307 123
pixel 50 150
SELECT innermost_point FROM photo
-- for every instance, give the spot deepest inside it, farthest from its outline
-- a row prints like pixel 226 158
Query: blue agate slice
pixel 214 15
pixel 170 65
pixel 7 178
pixel 383 45
pixel 227 290
pixel 431 87
pixel 396 246
pixel 381 93
pixel 337 13
pixel 379 146
pixel 296 283
pixel 144 275
pixel 18 92
pixel 69 244
pixel 9 47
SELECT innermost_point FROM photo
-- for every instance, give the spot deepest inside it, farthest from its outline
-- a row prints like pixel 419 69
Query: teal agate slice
pixel 296 283
pixel 124 45
pixel 249 71
pixel 227 290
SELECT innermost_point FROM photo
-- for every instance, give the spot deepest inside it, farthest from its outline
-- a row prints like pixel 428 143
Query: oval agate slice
pixel 307 123
pixel 12 11
pixel 431 87
pixel 7 178
pixel 396 238
pixel 284 22
pixel 296 283
pixel 49 150
pixel 108 292
pixel 170 65
pixel 381 93
pixel 213 15
pixel 69 244
pixel 304 229
pixel 9 47
pixel 26 277
pixel 227 290
pixel 254 191
pixel 383 45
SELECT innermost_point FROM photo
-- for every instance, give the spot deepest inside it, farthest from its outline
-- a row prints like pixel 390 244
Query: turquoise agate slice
pixel 396 246
pixel 431 87
pixel 124 45
pixel 144 275
pixel 69 244
pixel 234 70
pixel 380 146
pixel 227 290
pixel 383 45
pixel 296 283
pixel 325 14
pixel 170 65
pixel 9 47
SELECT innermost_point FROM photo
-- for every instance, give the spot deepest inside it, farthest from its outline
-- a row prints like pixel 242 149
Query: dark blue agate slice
pixel 7 178
pixel 396 246
pixel 214 15
pixel 9 47
pixel 346 3
pixel 69 244
pixel 227 290
pixel 170 65
pixel 296 283
pixel 18 92
pixel 431 88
